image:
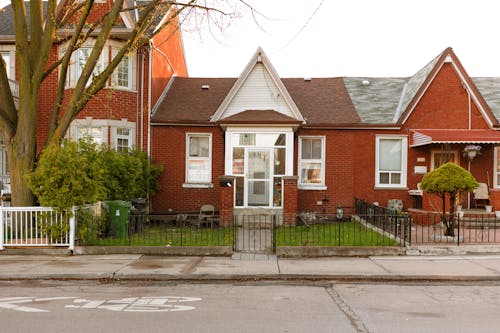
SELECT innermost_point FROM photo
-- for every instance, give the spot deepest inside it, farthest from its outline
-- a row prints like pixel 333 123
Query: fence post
pixel 1 229
pixel 72 227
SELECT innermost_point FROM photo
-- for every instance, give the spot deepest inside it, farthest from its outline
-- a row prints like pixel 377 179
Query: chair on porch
pixel 481 195
pixel 207 215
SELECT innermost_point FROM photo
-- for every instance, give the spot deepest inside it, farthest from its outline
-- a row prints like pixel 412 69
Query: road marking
pixel 127 304
pixel 136 304
pixel 11 303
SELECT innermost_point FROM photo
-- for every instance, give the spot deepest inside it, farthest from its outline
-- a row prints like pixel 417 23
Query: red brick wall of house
pixel 167 43
pixel 169 150
pixel 445 105
pixel 339 161
pixel 350 157
pixel 290 199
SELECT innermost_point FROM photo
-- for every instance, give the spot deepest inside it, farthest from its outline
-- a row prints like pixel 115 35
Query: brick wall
pixel 169 150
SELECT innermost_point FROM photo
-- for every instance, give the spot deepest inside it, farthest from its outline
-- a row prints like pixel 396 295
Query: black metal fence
pixel 432 228
pixel 362 225
pixel 149 230
pixel 255 233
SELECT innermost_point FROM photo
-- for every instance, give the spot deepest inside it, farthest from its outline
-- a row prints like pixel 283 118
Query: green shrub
pixel 78 173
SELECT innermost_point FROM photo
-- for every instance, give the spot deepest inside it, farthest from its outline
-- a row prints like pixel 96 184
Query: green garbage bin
pixel 118 211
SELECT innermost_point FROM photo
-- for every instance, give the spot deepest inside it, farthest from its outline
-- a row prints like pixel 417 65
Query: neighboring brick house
pixel 119 114
pixel 292 145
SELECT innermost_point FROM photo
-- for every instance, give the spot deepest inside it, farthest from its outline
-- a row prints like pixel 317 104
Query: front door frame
pixel 248 179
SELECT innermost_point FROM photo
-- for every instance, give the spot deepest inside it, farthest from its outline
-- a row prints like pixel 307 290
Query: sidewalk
pixel 162 268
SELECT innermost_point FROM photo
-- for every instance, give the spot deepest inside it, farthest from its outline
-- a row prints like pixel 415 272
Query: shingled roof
pixel 7 20
pixel 322 101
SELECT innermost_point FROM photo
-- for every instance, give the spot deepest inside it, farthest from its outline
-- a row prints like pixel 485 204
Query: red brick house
pixel 119 114
pixel 289 145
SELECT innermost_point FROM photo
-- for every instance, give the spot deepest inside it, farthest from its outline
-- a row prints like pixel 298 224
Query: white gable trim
pixel 258 57
pixel 449 59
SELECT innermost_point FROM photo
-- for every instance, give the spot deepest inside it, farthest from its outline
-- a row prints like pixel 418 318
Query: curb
pixel 111 278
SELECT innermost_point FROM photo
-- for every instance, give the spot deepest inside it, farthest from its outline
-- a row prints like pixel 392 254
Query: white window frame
pixel 79 134
pixel 189 182
pixel 322 161
pixel 11 65
pixel 404 161
pixel 6 56
pixel 129 59
pixel 99 67
pixel 127 137
pixel 496 173
pixel 109 129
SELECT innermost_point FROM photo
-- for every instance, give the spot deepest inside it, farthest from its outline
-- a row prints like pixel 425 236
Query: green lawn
pixel 331 234
pixel 171 236
pixel 351 234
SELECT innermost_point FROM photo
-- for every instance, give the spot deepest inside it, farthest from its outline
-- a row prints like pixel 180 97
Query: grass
pixel 331 234
pixel 327 234
pixel 171 236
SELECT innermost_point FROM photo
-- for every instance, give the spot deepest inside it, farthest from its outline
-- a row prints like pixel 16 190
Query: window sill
pixel 197 185
pixel 402 188
pixel 131 90
pixel 312 187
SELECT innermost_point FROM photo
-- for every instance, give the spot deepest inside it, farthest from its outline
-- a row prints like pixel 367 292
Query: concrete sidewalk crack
pixel 191 266
pixel 353 317
pixel 476 262
pixel 379 265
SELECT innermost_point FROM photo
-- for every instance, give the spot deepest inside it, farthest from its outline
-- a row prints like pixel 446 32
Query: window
pixel 92 133
pixel 82 56
pixel 123 139
pixel 391 161
pixel 497 167
pixel 123 73
pixel 311 161
pixel 6 57
pixel 199 158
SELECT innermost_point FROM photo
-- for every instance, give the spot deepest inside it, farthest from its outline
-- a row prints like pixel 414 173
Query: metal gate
pixel 255 233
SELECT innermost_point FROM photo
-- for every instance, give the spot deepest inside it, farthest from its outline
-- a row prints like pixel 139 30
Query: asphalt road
pixel 320 307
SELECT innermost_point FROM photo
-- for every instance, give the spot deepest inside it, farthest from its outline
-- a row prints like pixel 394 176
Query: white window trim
pixel 109 49
pixel 307 186
pixel 190 184
pixel 404 161
pixel 495 166
pixel 108 126
pixel 131 72
pixel 288 131
pixel 11 52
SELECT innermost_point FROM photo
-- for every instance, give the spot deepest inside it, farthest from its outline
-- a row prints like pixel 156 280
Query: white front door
pixel 258 177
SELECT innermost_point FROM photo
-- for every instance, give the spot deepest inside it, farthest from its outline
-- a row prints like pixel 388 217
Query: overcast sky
pixel 352 38
pixel 355 38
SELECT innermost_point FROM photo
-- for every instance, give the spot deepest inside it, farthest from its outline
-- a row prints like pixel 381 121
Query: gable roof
pixel 341 102
pixel 186 102
pixel 448 56
pixel 259 57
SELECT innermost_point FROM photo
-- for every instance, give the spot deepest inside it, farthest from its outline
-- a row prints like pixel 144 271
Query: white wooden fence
pixel 36 227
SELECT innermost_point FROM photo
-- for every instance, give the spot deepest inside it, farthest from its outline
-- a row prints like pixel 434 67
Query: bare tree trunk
pixel 450 227
pixel 22 151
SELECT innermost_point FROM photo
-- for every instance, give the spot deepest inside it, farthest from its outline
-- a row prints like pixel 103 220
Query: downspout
pixel 138 71
pixel 151 48
pixel 142 104
pixel 150 94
